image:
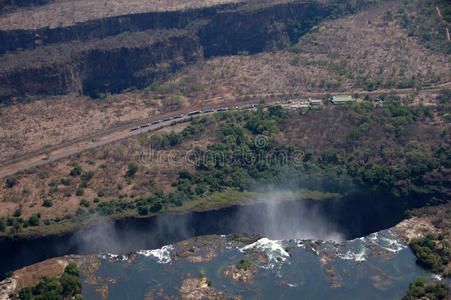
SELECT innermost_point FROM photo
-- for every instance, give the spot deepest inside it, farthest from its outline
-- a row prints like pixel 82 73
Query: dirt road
pixel 441 17
pixel 106 137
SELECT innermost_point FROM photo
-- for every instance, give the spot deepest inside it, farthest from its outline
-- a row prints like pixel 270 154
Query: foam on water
pixel 115 256
pixel 391 245
pixel 356 256
pixel 359 248
pixel 272 248
pixel 163 255
pixel 373 236
pixel 300 244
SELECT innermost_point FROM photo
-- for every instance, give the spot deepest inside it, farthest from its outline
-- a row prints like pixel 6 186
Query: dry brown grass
pixel 50 122
pixel 109 163
pixel 371 47
pixel 66 13
pixel 29 127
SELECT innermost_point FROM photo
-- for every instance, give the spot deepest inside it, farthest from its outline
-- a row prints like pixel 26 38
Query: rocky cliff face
pixel 257 29
pixel 193 34
pixel 103 70
pixel 117 69
pixel 102 28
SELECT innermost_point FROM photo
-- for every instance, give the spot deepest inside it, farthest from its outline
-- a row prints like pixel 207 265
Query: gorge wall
pixel 111 54
pixel 131 51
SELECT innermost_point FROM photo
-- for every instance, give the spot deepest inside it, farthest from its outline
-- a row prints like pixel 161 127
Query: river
pixel 330 219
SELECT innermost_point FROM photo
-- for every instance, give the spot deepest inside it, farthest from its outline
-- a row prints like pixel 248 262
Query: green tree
pixel 244 264
pixel 76 171
pixel 156 207
pixel 143 210
pixel 47 203
pixel 11 181
pixel 33 220
pixel 17 213
pixel 132 169
pixel 420 290
pixel 71 285
pixel 72 269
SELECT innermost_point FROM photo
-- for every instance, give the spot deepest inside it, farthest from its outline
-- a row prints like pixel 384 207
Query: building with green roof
pixel 341 99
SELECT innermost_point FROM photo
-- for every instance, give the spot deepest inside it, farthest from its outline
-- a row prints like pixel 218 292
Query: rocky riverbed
pixel 378 266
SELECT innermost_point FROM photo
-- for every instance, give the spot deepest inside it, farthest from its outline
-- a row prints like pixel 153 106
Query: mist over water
pixel 292 220
pixel 115 237
pixel 275 219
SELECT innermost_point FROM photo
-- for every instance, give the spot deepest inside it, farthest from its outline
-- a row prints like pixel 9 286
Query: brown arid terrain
pixel 332 57
pixel 343 55
pixel 66 13
pixel 36 126
pixel 104 158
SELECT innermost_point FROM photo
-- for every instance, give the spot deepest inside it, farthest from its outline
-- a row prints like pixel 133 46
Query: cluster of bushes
pixel 420 19
pixel 113 207
pixel 444 107
pixel 11 181
pixel 365 82
pixel 85 177
pixel 172 139
pixel 371 85
pixel 151 204
pixel 132 169
pixel 68 286
pixel 411 164
pixel 432 291
pixel 432 252
pixel 16 223
pixel 230 163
